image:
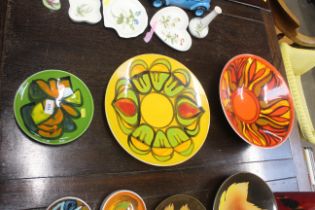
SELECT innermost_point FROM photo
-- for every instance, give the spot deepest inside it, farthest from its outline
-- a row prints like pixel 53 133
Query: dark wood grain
pixel 31 193
pixel 32 175
pixel 262 4
pixel 3 7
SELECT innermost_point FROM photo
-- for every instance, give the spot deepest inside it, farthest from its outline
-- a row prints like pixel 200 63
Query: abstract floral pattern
pixel 171 207
pixel 256 101
pixel 170 25
pixel 123 199
pixel 180 202
pixel 130 19
pixel 158 110
pixel 235 198
pixel 52 108
pixel 69 204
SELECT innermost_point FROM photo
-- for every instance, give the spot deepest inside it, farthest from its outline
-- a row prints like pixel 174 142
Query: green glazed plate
pixel 53 107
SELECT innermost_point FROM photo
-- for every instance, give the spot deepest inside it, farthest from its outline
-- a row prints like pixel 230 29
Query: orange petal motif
pixel 51 89
pixel 187 110
pixel 252 74
pixel 70 110
pixel 126 106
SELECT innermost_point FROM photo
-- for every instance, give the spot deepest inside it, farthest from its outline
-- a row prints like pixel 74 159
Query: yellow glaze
pixel 157 109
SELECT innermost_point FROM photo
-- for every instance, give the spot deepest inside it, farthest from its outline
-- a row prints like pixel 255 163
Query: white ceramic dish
pixel 170 25
pixel 128 17
pixel 85 11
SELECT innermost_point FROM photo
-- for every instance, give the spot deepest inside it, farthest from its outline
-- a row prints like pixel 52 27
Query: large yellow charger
pixel 157 110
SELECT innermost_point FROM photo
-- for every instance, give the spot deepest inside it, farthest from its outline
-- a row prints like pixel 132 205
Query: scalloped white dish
pixel 85 11
pixel 170 25
pixel 128 17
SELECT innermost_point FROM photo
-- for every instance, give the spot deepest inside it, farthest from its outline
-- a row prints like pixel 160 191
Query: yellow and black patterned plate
pixel 157 110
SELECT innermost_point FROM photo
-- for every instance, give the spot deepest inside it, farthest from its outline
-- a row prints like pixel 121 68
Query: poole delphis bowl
pixel 244 191
pixel 256 101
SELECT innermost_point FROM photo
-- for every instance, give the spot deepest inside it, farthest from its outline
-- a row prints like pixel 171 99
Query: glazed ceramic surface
pixel 157 110
pixel 180 202
pixel 256 101
pixel 295 200
pixel 128 17
pixel 123 199
pixel 199 27
pixel 85 11
pixel 244 191
pixel 53 107
pixel 52 4
pixel 69 203
pixel 170 25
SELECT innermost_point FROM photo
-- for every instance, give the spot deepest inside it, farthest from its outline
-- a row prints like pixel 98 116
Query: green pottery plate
pixel 53 107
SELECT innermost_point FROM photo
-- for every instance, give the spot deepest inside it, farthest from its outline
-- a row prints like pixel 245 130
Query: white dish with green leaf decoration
pixel 85 11
pixel 128 17
pixel 170 25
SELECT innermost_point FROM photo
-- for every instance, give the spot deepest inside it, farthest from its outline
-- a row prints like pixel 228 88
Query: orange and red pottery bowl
pixel 256 101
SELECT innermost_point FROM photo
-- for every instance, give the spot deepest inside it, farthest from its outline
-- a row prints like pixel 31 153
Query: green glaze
pixel 75 126
pixel 160 140
pixel 176 136
pixel 158 79
pixel 142 82
pixel 144 133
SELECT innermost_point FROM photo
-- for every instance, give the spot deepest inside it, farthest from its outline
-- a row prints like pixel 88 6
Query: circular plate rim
pixel 35 138
pixel 114 134
pixel 111 195
pixel 235 175
pixel 184 195
pixel 290 99
pixel 68 198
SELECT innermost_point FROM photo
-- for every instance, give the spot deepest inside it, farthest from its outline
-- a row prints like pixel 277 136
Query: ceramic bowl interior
pixel 246 191
pixel 69 202
pixel 123 199
pixel 53 107
pixel 180 202
pixel 256 101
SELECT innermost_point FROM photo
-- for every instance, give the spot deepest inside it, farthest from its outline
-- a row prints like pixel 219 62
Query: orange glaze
pixel 126 197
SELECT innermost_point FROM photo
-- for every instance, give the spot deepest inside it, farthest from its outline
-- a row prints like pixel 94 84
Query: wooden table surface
pixel 33 175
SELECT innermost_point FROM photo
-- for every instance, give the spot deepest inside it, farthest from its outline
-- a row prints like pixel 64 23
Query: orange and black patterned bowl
pixel 256 101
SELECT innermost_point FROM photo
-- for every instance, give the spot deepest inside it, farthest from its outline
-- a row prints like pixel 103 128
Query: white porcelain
pixel 52 4
pixel 199 27
pixel 171 27
pixel 85 11
pixel 128 17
